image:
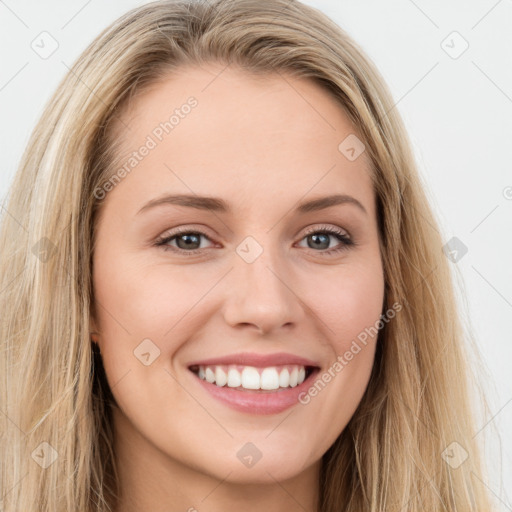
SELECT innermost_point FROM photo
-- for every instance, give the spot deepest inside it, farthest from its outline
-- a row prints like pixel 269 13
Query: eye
pixel 189 241
pixel 320 239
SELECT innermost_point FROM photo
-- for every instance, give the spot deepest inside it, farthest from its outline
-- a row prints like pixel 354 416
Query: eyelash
pixel 347 242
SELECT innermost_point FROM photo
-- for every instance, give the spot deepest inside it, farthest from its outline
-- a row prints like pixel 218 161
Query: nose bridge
pixel 259 293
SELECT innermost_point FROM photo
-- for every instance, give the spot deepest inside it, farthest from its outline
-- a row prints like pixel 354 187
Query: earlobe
pixel 93 330
pixel 95 346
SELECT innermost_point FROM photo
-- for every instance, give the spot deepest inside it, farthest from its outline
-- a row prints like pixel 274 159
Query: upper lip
pixel 256 360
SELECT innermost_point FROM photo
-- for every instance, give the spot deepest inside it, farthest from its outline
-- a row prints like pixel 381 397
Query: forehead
pixel 220 131
pixel 234 97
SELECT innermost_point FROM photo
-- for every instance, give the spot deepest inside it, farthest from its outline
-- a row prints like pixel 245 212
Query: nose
pixel 261 295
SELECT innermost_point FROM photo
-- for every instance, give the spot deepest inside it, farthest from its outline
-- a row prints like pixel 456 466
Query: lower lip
pixel 257 402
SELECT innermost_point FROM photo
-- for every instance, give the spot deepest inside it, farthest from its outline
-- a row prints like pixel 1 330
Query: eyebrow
pixel 219 205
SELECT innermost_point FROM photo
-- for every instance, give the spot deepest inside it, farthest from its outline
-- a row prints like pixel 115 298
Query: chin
pixel 265 470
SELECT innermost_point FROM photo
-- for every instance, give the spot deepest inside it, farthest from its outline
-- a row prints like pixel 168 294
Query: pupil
pixel 187 239
pixel 316 238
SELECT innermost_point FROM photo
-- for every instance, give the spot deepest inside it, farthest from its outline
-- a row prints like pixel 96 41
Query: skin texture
pixel 262 144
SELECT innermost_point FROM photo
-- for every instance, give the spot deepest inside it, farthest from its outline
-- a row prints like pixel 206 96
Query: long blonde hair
pixel 57 439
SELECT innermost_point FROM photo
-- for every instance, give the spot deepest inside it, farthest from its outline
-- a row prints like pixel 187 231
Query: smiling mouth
pixel 253 379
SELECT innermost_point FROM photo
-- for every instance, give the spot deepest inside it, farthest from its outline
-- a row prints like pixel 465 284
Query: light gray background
pixel 458 112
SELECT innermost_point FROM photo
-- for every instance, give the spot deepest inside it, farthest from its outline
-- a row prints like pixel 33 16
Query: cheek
pixel 349 306
pixel 348 303
pixel 145 314
pixel 138 300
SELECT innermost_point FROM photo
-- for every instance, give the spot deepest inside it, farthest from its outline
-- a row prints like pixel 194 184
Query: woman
pixel 309 355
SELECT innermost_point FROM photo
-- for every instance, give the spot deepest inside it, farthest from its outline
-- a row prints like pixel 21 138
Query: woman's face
pixel 253 273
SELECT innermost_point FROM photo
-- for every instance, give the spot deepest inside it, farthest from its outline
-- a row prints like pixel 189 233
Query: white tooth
pixel 201 372
pixel 234 379
pixel 220 377
pixel 284 378
pixel 209 375
pixel 293 377
pixel 302 375
pixel 250 378
pixel 269 378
